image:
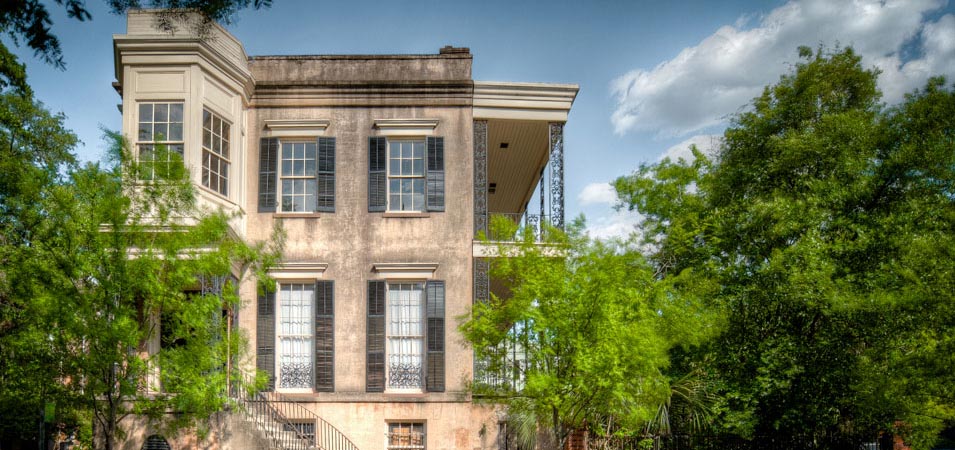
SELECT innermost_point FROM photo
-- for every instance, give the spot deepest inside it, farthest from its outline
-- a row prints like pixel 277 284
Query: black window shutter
pixel 265 335
pixel 375 344
pixel 435 175
pixel 324 336
pixel 434 379
pixel 325 192
pixel 377 178
pixel 268 177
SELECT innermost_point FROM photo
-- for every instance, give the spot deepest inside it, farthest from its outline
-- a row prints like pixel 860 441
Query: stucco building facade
pixel 380 170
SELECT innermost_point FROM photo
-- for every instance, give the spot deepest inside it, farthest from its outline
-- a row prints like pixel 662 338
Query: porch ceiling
pixel 514 170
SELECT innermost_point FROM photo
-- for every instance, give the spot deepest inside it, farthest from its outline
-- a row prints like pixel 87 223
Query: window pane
pixel 406 167
pixel 310 150
pixel 206 120
pixel 394 167
pixel 418 169
pixel 161 132
pixel 286 151
pixel 161 112
pixel 145 131
pixel 175 132
pixel 310 167
pixel 299 167
pixel 175 112
pixel 286 167
pixel 395 149
pixel 145 112
pixel 418 149
pixel 299 151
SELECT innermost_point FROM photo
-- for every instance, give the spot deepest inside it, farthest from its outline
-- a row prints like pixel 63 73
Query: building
pixel 380 169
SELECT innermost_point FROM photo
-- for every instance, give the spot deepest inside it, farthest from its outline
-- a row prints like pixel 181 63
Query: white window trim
pixel 292 272
pixel 278 172
pixel 423 177
pixel 406 127
pixel 404 271
pixel 422 316
pixel 278 336
pixel 424 432
pixel 203 150
pixel 137 121
pixel 296 128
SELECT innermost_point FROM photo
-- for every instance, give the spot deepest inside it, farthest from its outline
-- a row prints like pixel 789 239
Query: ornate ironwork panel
pixel 480 176
pixel 482 281
pixel 557 174
pixel 295 374
pixel 403 374
pixel 212 284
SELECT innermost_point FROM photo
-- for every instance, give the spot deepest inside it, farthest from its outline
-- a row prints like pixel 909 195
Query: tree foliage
pixel 593 329
pixel 825 225
pixel 96 269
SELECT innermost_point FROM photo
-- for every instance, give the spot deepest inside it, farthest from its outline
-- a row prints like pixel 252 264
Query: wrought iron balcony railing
pixel 536 224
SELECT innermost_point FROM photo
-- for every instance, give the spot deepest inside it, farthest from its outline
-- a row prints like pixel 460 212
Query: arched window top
pixel 156 442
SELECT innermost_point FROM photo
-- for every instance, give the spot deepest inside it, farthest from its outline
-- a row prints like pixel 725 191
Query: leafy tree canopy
pixel 826 222
pixel 578 334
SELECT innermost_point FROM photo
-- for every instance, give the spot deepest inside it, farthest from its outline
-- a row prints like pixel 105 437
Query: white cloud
pixel 704 84
pixel 597 193
pixel 619 224
pixel 707 143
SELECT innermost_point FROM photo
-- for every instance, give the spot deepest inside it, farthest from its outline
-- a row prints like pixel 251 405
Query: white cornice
pixel 405 271
pixel 406 127
pixel 296 127
pixel 298 270
pixel 523 101
pixel 167 51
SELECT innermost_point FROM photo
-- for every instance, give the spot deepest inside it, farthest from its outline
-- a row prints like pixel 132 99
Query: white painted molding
pixel 406 127
pixel 298 270
pixel 405 271
pixel 296 127
pixel 523 101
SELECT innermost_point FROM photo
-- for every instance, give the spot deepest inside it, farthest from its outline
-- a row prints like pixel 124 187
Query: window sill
pixel 303 215
pixel 406 215
pixel 216 195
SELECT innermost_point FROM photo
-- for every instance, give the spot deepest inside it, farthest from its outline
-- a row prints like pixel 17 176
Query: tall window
pixel 405 336
pixel 159 124
pixel 296 336
pixel 406 436
pixel 297 174
pixel 406 176
pixel 215 152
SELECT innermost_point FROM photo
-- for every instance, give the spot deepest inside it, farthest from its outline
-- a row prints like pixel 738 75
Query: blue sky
pixel 654 76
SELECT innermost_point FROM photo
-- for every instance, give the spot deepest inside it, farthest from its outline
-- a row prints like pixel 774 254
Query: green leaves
pixel 595 326
pixel 824 232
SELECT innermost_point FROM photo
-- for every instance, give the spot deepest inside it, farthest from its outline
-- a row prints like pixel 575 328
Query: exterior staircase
pixel 286 424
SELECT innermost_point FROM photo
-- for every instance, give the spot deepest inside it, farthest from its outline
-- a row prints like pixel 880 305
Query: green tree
pixel 825 225
pixel 593 328
pixel 66 287
pixel 92 265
